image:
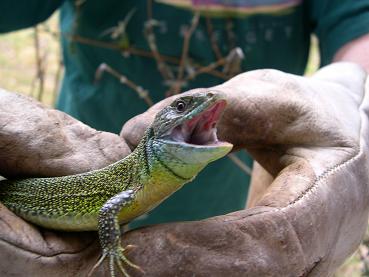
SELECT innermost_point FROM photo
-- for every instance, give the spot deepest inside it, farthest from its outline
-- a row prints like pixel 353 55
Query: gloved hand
pixel 311 135
pixel 37 141
pixel 308 133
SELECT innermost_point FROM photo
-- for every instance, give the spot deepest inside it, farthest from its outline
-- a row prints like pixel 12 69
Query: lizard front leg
pixel 109 233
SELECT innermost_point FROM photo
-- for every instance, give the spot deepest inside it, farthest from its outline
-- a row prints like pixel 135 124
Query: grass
pixel 18 68
pixel 18 73
pixel 358 264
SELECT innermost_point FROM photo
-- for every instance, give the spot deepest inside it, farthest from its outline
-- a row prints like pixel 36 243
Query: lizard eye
pixel 180 106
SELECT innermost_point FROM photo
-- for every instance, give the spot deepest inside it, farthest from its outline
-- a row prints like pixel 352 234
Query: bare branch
pixel 163 68
pixel 233 62
pixel 206 69
pixel 40 63
pixel 139 52
pixel 230 33
pixel 212 38
pixel 175 89
pixel 57 78
pixel 142 93
pixel 237 161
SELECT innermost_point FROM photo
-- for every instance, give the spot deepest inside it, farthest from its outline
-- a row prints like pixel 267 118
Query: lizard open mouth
pixel 192 139
pixel 201 129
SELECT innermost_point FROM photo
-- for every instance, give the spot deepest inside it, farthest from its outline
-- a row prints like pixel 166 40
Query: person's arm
pixel 25 13
pixel 356 51
pixel 342 28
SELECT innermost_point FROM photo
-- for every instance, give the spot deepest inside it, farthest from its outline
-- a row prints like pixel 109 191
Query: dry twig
pixel 212 38
pixel 142 93
pixel 231 64
pixel 163 68
pixel 175 89
pixel 40 65
pixel 139 52
pixel 57 78
pixel 237 161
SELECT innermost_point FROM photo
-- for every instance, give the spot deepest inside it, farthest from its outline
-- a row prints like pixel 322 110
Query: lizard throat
pixel 201 129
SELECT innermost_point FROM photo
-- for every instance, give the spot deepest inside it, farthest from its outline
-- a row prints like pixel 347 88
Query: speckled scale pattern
pixel 153 171
pixel 74 199
pixel 103 199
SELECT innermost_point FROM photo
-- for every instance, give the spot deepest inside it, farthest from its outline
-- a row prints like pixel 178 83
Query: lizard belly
pixel 147 198
pixel 68 222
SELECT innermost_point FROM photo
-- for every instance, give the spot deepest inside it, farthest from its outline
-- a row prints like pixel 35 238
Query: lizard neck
pixel 148 175
pixel 153 173
pixel 163 173
pixel 132 171
pixel 153 168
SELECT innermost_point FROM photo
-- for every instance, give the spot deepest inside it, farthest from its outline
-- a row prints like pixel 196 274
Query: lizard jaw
pixel 201 129
pixel 193 143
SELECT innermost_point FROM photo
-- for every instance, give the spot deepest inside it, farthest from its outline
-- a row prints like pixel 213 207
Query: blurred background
pixel 31 64
pixel 31 61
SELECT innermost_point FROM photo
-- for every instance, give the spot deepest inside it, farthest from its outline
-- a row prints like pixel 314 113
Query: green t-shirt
pixel 271 33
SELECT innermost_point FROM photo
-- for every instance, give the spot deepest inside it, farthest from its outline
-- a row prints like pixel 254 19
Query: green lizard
pixel 180 142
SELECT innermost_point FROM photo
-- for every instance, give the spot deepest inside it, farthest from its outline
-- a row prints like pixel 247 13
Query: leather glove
pixel 311 136
pixel 308 133
pixel 37 141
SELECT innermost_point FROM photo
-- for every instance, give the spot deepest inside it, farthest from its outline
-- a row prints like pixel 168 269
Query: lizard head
pixel 185 131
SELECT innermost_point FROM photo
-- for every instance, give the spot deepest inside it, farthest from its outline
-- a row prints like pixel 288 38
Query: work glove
pixel 310 213
pixel 308 134
pixel 38 141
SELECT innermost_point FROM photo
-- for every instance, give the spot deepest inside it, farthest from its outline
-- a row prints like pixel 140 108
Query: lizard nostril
pixel 210 94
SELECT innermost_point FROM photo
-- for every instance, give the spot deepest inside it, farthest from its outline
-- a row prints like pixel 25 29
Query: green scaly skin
pixel 106 198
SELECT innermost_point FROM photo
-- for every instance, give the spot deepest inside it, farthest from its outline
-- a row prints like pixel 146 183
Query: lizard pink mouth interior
pixel 201 129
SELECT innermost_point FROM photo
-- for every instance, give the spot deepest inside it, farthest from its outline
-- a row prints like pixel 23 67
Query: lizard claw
pixel 109 234
pixel 116 257
pixel 129 247
pixel 97 264
pixel 120 257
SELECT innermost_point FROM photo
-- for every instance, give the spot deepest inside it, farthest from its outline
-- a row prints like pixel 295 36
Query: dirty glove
pixel 37 141
pixel 311 135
